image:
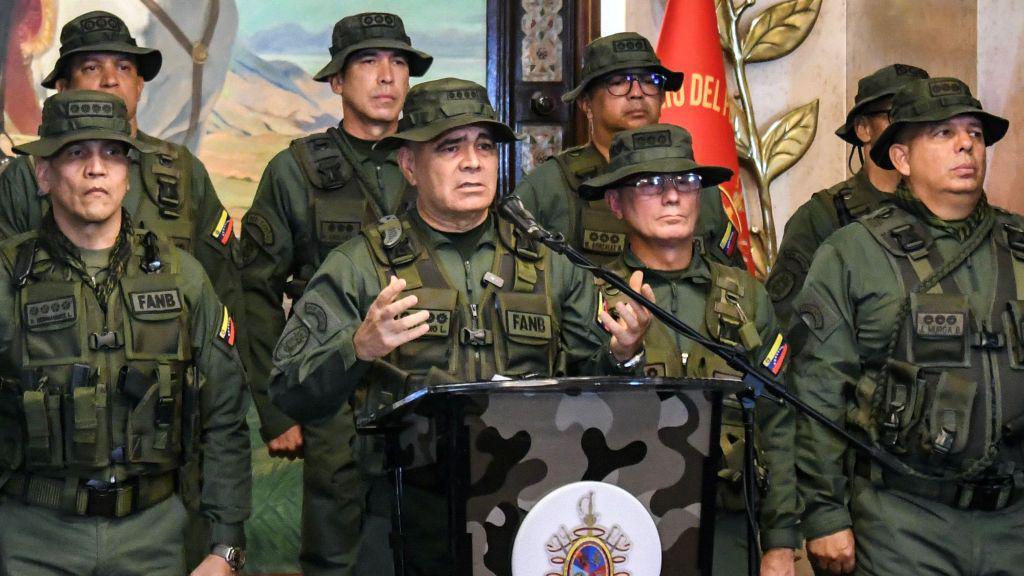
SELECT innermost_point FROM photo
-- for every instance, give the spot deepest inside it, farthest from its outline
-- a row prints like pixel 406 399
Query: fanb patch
pixel 224 228
pixel 335 232
pixel 528 325
pixel 157 301
pixel 227 328
pixel 604 242
pixel 50 312
pixel 776 356
pixel 940 324
pixel 439 321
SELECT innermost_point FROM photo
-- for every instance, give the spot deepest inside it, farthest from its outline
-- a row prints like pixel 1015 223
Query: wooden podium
pixel 485 453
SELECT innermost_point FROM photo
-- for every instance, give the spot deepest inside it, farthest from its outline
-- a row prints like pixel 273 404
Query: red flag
pixel 689 43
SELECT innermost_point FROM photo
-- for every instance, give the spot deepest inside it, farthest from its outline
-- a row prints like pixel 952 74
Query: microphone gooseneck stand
pixel 756 382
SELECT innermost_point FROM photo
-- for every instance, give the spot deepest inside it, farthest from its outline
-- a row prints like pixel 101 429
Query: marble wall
pixel 979 41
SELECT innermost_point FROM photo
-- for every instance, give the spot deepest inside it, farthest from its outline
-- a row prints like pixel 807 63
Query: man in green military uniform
pixel 912 327
pixel 653 185
pixel 314 196
pixel 102 331
pixel 830 209
pixel 622 88
pixel 169 189
pixel 447 292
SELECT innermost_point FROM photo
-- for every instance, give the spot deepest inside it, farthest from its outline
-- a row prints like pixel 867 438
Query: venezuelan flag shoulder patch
pixel 776 356
pixel 227 328
pixel 224 228
pixel 728 242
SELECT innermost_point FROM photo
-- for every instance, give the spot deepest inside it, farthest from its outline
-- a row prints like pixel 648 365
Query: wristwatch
pixel 233 555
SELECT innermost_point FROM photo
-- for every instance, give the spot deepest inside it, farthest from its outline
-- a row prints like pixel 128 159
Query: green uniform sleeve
pixel 19 198
pixel 268 259
pixel 227 475
pixel 776 428
pixel 584 340
pixel 824 369
pixel 806 229
pixel 714 228
pixel 217 258
pixel 545 194
pixel 315 365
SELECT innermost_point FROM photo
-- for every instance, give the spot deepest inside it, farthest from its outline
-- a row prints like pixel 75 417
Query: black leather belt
pixel 988 493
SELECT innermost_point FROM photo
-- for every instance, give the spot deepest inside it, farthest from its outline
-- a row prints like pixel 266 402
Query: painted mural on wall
pixel 252 95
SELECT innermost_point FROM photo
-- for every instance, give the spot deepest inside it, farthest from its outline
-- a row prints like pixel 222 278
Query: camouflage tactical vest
pixel 597 232
pixel 97 390
pixel 955 380
pixel 344 199
pixel 512 330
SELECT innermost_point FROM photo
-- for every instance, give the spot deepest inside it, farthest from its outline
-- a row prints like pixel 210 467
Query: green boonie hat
pixel 369 30
pixel 76 115
pixel 884 83
pixel 100 31
pixel 622 51
pixel 658 149
pixel 435 107
pixel 934 100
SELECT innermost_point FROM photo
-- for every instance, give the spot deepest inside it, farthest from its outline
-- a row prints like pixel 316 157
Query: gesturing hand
pixel 628 331
pixel 383 330
pixel 833 553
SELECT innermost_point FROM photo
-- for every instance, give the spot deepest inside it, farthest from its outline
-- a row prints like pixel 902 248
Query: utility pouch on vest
pixel 44 448
pixel 152 434
pixel 949 416
pixel 154 305
pixel 939 330
pixel 531 336
pixel 337 221
pixel 1014 322
pixel 902 403
pixel 50 318
pixel 601 232
pixel 84 414
pixel 12 433
pixel 430 349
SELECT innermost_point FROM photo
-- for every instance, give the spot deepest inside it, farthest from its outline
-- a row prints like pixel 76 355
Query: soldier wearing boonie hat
pixel 378 343
pixel 103 328
pixel 911 322
pixel 830 209
pixel 652 184
pixel 314 196
pixel 622 85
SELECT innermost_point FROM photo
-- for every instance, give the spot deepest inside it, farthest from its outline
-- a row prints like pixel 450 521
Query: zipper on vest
pixel 474 319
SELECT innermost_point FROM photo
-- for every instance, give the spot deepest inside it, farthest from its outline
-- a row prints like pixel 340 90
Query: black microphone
pixel 511 207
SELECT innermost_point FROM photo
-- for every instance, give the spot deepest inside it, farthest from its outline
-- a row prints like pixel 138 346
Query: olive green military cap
pixel 100 31
pixel 622 51
pixel 76 115
pixel 872 93
pixel 435 107
pixel 653 149
pixel 934 100
pixel 371 30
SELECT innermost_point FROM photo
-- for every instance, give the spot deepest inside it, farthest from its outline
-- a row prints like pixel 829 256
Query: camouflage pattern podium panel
pixel 486 453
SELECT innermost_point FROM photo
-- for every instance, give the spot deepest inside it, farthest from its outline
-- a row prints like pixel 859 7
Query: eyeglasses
pixel 651 83
pixel 651 186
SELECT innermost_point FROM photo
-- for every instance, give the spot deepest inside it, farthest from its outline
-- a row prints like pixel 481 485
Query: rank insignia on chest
pixel 227 328
pixel 940 324
pixel 776 356
pixel 156 301
pixel 438 321
pixel 50 312
pixel 224 228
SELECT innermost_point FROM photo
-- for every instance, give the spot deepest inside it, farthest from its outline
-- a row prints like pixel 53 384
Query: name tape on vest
pixel 940 324
pixel 50 312
pixel 156 301
pixel 527 324
pixel 439 321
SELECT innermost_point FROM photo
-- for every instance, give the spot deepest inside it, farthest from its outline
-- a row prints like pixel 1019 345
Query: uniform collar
pixel 435 239
pixel 697 272
pixel 357 145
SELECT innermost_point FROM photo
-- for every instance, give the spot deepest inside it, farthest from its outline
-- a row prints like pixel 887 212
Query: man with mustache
pixel 912 323
pixel 314 196
pixel 831 209
pixel 653 186
pixel 102 333
pixel 622 88
pixel 434 295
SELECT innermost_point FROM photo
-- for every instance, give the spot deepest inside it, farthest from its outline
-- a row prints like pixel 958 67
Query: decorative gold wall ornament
pixel 773 33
